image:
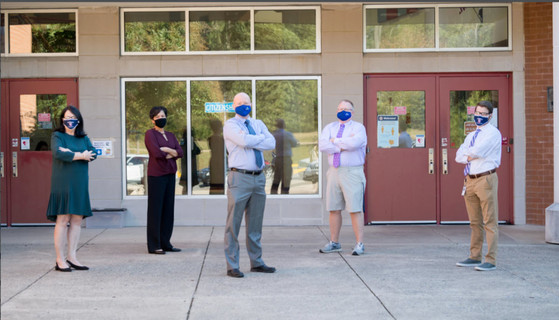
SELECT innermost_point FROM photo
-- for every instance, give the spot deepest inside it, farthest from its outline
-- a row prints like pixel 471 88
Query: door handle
pixel 14 164
pixel 431 161
pixel 445 161
pixel 2 164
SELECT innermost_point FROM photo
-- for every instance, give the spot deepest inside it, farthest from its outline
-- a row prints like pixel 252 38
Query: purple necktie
pixel 467 168
pixel 336 160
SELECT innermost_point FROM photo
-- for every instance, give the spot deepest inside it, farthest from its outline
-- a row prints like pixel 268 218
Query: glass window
pixel 285 29
pixel 400 119
pixel 140 97
pixel 38 118
pixel 289 108
pixel 154 31
pixel 219 30
pixel 211 105
pixel 473 27
pixel 42 32
pixel 462 108
pixel 400 28
pixel 2 30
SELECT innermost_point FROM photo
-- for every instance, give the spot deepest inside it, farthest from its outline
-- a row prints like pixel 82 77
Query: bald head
pixel 240 99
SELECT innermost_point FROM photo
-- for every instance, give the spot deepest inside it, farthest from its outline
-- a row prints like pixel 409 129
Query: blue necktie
pixel 257 153
pixel 467 168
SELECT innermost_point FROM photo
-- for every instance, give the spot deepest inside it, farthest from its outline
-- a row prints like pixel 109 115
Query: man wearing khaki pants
pixel 481 153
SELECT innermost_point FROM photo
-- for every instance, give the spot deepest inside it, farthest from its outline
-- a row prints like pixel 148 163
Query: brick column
pixel 552 212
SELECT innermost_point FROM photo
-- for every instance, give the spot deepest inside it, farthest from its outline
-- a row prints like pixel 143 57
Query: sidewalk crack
pixel 200 274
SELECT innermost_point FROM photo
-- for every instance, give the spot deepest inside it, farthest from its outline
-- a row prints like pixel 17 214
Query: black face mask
pixel 161 122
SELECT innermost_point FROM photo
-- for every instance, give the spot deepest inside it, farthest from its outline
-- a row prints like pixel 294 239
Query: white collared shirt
pixel 240 143
pixel 486 150
pixel 353 141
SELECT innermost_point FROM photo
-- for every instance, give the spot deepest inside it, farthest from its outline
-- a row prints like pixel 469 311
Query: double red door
pixel 30 109
pixel 415 125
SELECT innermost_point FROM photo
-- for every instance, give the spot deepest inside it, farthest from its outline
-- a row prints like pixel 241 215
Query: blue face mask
pixel 481 120
pixel 344 115
pixel 71 123
pixel 243 110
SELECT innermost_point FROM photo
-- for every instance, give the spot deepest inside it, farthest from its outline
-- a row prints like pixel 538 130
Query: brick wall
pixel 539 122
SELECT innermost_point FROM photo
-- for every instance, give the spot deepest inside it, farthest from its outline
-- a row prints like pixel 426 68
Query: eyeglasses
pixel 485 114
pixel 345 109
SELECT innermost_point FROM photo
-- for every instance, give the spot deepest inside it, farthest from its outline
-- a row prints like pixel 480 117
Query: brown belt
pixel 254 173
pixel 475 176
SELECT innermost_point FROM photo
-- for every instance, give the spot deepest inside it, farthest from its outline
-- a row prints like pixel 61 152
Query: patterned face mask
pixel 71 123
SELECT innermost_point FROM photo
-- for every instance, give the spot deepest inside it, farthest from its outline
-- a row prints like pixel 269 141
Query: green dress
pixel 69 191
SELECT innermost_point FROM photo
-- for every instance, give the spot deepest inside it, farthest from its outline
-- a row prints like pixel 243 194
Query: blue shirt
pixel 240 143
pixel 486 150
pixel 353 141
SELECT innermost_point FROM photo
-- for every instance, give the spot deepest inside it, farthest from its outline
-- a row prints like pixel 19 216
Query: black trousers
pixel 161 212
pixel 282 173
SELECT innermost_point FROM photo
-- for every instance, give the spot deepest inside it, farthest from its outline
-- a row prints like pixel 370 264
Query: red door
pixel 415 124
pixel 30 109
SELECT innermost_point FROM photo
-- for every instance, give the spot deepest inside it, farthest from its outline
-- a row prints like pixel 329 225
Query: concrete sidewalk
pixel 407 272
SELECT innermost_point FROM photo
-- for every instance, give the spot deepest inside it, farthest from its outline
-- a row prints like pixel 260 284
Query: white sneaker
pixel 331 247
pixel 359 249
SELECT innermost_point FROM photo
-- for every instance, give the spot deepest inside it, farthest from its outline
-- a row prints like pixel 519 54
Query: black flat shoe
pixel 235 273
pixel 173 249
pixel 75 266
pixel 263 268
pixel 158 251
pixel 57 268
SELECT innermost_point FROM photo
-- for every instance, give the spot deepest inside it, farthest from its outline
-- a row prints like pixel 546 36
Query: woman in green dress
pixel 69 198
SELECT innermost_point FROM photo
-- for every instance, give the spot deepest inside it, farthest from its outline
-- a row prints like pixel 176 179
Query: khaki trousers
pixel 483 212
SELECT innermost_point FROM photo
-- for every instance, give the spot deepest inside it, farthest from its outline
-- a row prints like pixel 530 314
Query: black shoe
pixel 263 268
pixel 158 251
pixel 235 273
pixel 173 249
pixel 56 267
pixel 76 266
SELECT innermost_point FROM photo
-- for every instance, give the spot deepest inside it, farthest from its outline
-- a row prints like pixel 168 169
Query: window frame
pixel 436 34
pixel 251 10
pixel 49 54
pixel 188 156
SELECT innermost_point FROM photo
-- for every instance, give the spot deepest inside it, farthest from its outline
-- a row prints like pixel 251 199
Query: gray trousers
pixel 245 195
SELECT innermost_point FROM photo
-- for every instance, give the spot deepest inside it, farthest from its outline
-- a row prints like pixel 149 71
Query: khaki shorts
pixel 345 188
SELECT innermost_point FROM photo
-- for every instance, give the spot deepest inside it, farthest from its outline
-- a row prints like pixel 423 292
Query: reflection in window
pixel 285 29
pixel 209 101
pixel 462 108
pixel 401 119
pixel 38 118
pixel 42 32
pixel 140 98
pixel 400 28
pixel 293 105
pixel 473 27
pixel 203 169
pixel 154 31
pixel 219 30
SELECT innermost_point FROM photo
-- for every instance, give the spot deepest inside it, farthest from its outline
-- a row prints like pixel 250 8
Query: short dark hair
pixel 485 104
pixel 155 111
pixel 280 124
pixel 79 129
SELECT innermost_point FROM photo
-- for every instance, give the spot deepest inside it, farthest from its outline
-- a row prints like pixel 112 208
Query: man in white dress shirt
pixel 481 153
pixel 245 139
pixel 344 141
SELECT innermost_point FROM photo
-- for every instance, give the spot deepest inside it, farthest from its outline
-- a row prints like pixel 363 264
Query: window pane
pixel 473 27
pixel 140 98
pixel 154 31
pixel 208 103
pixel 2 41
pixel 42 32
pixel 292 104
pixel 38 114
pixel 401 119
pixel 285 30
pixel 462 108
pixel 219 30
pixel 400 28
